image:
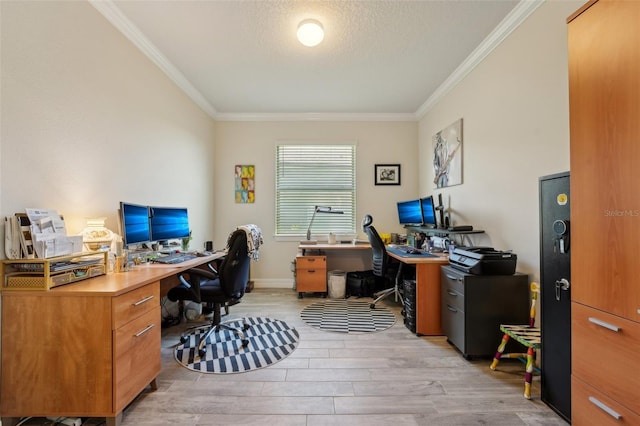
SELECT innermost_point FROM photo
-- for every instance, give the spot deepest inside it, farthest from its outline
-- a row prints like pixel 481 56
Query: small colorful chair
pixel 528 336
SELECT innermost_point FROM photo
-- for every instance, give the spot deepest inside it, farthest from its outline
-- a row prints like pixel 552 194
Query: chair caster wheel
pixel 299 295
pixel 202 352
pixel 372 306
pixel 183 340
pixel 246 327
pixel 245 343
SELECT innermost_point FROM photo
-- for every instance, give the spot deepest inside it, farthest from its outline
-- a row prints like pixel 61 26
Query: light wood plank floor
pixel 392 377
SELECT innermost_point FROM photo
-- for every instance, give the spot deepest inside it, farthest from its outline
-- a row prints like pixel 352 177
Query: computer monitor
pixel 134 220
pixel 410 212
pixel 428 212
pixel 168 223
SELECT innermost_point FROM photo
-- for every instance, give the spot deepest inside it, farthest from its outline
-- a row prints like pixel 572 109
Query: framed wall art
pixel 447 155
pixel 387 174
pixel 245 183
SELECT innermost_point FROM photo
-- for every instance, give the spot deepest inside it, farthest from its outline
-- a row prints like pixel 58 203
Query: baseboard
pixel 272 283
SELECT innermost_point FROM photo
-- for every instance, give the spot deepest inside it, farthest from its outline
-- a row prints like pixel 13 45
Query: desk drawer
pixel 311 262
pixel 604 353
pixel 136 356
pixel 453 279
pixel 591 407
pixel 312 280
pixel 135 303
pixel 451 297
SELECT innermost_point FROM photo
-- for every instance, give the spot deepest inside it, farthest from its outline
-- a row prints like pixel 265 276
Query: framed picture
pixel 447 155
pixel 387 174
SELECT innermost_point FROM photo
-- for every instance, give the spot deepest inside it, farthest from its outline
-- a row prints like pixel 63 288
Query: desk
pixel 85 349
pixel 311 268
pixel 427 291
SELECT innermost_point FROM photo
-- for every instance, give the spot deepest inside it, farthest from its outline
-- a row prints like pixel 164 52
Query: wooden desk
pixel 311 268
pixel 85 349
pixel 427 291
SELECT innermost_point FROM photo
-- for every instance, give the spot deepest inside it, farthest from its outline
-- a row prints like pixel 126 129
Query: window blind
pixel 315 175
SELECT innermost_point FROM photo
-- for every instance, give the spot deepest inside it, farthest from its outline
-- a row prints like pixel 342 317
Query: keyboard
pixel 174 258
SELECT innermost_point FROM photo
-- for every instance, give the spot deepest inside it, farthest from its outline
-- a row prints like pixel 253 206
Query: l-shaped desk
pixel 85 349
pixel 427 279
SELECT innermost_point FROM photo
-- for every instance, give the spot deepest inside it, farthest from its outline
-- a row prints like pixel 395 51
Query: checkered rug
pixel 270 341
pixel 347 316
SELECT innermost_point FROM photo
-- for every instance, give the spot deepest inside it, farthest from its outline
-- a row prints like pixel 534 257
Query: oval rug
pixel 347 316
pixel 270 341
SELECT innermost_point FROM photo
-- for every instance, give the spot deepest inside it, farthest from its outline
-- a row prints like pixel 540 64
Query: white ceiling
pixel 239 59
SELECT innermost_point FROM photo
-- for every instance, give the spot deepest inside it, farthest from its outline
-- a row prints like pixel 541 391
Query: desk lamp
pixel 318 209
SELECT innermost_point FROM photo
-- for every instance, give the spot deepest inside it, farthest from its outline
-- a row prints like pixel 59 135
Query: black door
pixel 555 278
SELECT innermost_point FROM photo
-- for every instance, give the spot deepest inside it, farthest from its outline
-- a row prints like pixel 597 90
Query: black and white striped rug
pixel 347 316
pixel 270 341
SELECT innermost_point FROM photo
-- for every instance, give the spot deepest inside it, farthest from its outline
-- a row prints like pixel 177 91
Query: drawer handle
pixel 452 293
pixel 146 299
pixel 311 260
pixel 312 271
pixel 606 325
pixel 605 408
pixel 143 331
pixel 451 308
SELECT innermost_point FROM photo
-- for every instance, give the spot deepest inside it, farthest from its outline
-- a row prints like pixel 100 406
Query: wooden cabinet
pixel 78 354
pixel 474 306
pixel 311 274
pixel 604 99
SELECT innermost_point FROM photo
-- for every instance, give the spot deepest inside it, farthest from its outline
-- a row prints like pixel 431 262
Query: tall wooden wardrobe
pixel 604 97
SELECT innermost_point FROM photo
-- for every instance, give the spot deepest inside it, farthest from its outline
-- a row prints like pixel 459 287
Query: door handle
pixel 561 284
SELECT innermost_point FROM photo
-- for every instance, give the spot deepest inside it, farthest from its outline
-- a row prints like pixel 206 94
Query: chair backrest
pixel 234 269
pixel 380 256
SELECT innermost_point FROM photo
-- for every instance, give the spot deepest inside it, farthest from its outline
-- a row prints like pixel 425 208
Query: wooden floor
pixel 390 377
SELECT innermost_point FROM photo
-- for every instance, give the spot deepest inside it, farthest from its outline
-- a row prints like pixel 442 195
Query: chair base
pixel 216 328
pixel 384 293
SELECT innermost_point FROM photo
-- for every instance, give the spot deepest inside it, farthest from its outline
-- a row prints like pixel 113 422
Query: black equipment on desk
pixel 483 261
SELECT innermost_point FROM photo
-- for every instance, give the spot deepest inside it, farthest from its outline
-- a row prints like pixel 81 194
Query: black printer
pixel 483 261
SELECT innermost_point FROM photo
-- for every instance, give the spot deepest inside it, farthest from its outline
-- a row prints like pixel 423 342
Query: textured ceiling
pixel 378 56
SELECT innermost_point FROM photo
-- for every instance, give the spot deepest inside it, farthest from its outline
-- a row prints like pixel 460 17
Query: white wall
pixel 515 112
pixel 88 121
pixel 254 143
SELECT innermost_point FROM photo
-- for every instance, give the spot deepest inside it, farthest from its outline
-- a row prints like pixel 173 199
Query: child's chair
pixel 527 335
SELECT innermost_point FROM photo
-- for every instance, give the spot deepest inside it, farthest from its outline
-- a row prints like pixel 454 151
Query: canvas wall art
pixel 245 183
pixel 447 156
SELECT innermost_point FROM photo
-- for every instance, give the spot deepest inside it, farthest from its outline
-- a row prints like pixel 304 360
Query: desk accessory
pixel 318 209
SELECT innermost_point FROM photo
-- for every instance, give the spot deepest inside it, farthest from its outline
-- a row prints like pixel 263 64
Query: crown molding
pixel 315 117
pixel 114 15
pixel 512 21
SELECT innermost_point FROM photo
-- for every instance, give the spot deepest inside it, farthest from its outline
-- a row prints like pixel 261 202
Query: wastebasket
pixel 337 284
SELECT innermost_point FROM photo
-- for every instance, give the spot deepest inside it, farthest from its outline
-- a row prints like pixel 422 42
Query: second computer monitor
pixel 168 223
pixel 428 212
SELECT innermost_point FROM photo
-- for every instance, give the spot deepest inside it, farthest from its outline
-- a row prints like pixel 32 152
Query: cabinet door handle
pixel 606 325
pixel 610 411
pixel 140 302
pixel 311 260
pixel 451 308
pixel 452 293
pixel 144 330
pixel 311 271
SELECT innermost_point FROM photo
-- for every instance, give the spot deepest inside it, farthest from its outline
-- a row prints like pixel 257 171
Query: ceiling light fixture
pixel 310 32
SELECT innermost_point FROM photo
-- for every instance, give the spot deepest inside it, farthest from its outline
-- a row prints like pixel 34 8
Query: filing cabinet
pixel 311 274
pixel 474 306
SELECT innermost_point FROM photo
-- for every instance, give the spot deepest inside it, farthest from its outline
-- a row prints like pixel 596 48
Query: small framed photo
pixel 387 174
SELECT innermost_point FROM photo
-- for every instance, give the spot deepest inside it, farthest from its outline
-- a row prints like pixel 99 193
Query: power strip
pixel 69 421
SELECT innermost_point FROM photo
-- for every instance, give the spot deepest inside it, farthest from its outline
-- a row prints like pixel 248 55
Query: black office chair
pixel 217 290
pixel 383 270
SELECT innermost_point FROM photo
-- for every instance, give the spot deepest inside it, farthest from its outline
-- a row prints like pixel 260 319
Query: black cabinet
pixel 474 306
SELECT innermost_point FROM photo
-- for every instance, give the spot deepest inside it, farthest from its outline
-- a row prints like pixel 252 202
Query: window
pixel 315 175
